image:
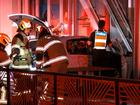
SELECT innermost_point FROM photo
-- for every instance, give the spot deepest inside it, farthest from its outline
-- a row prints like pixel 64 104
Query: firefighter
pixel 4 63
pixel 4 59
pixel 51 56
pixel 21 54
pixel 50 52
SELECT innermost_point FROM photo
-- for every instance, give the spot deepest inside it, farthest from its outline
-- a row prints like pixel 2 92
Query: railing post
pixel 55 90
pixel 84 93
pixel 8 87
pixel 35 99
pixel 117 92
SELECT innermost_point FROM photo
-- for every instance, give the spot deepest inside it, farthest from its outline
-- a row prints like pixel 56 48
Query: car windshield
pixel 77 46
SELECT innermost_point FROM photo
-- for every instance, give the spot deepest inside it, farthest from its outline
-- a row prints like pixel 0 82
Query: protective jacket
pixel 21 55
pixel 4 59
pixel 51 54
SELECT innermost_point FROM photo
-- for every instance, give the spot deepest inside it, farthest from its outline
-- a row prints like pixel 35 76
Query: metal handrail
pixel 117 84
pixel 123 17
pixel 126 42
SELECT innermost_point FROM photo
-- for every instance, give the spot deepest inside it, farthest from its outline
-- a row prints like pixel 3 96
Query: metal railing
pixel 44 88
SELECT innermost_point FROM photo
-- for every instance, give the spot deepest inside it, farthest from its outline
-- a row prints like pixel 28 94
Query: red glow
pixel 136 38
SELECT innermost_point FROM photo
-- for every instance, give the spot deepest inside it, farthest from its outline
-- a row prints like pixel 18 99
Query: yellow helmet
pixel 4 39
pixel 25 23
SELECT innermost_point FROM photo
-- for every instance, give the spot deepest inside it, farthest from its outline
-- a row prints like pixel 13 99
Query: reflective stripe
pixel 100 33
pixel 15 46
pixel 39 48
pixel 8 61
pixel 21 67
pixel 99 47
pixel 100 40
pixel 14 55
pixel 47 45
pixel 39 62
pixel 53 60
pixel 50 44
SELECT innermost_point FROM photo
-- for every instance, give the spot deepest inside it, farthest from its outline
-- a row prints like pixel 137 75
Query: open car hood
pixel 18 17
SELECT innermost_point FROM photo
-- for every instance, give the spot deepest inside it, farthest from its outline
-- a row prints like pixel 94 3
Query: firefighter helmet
pixel 4 39
pixel 24 24
pixel 42 31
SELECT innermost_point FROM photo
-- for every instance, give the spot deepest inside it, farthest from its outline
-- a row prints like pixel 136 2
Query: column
pixel 69 17
pixel 37 8
pixel 5 23
pixel 49 11
pixel 25 6
pixel 136 50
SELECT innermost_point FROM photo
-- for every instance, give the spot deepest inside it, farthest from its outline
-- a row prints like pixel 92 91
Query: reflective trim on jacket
pixel 100 40
pixel 54 60
pixel 21 66
pixel 39 62
pixel 51 43
pixel 40 49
